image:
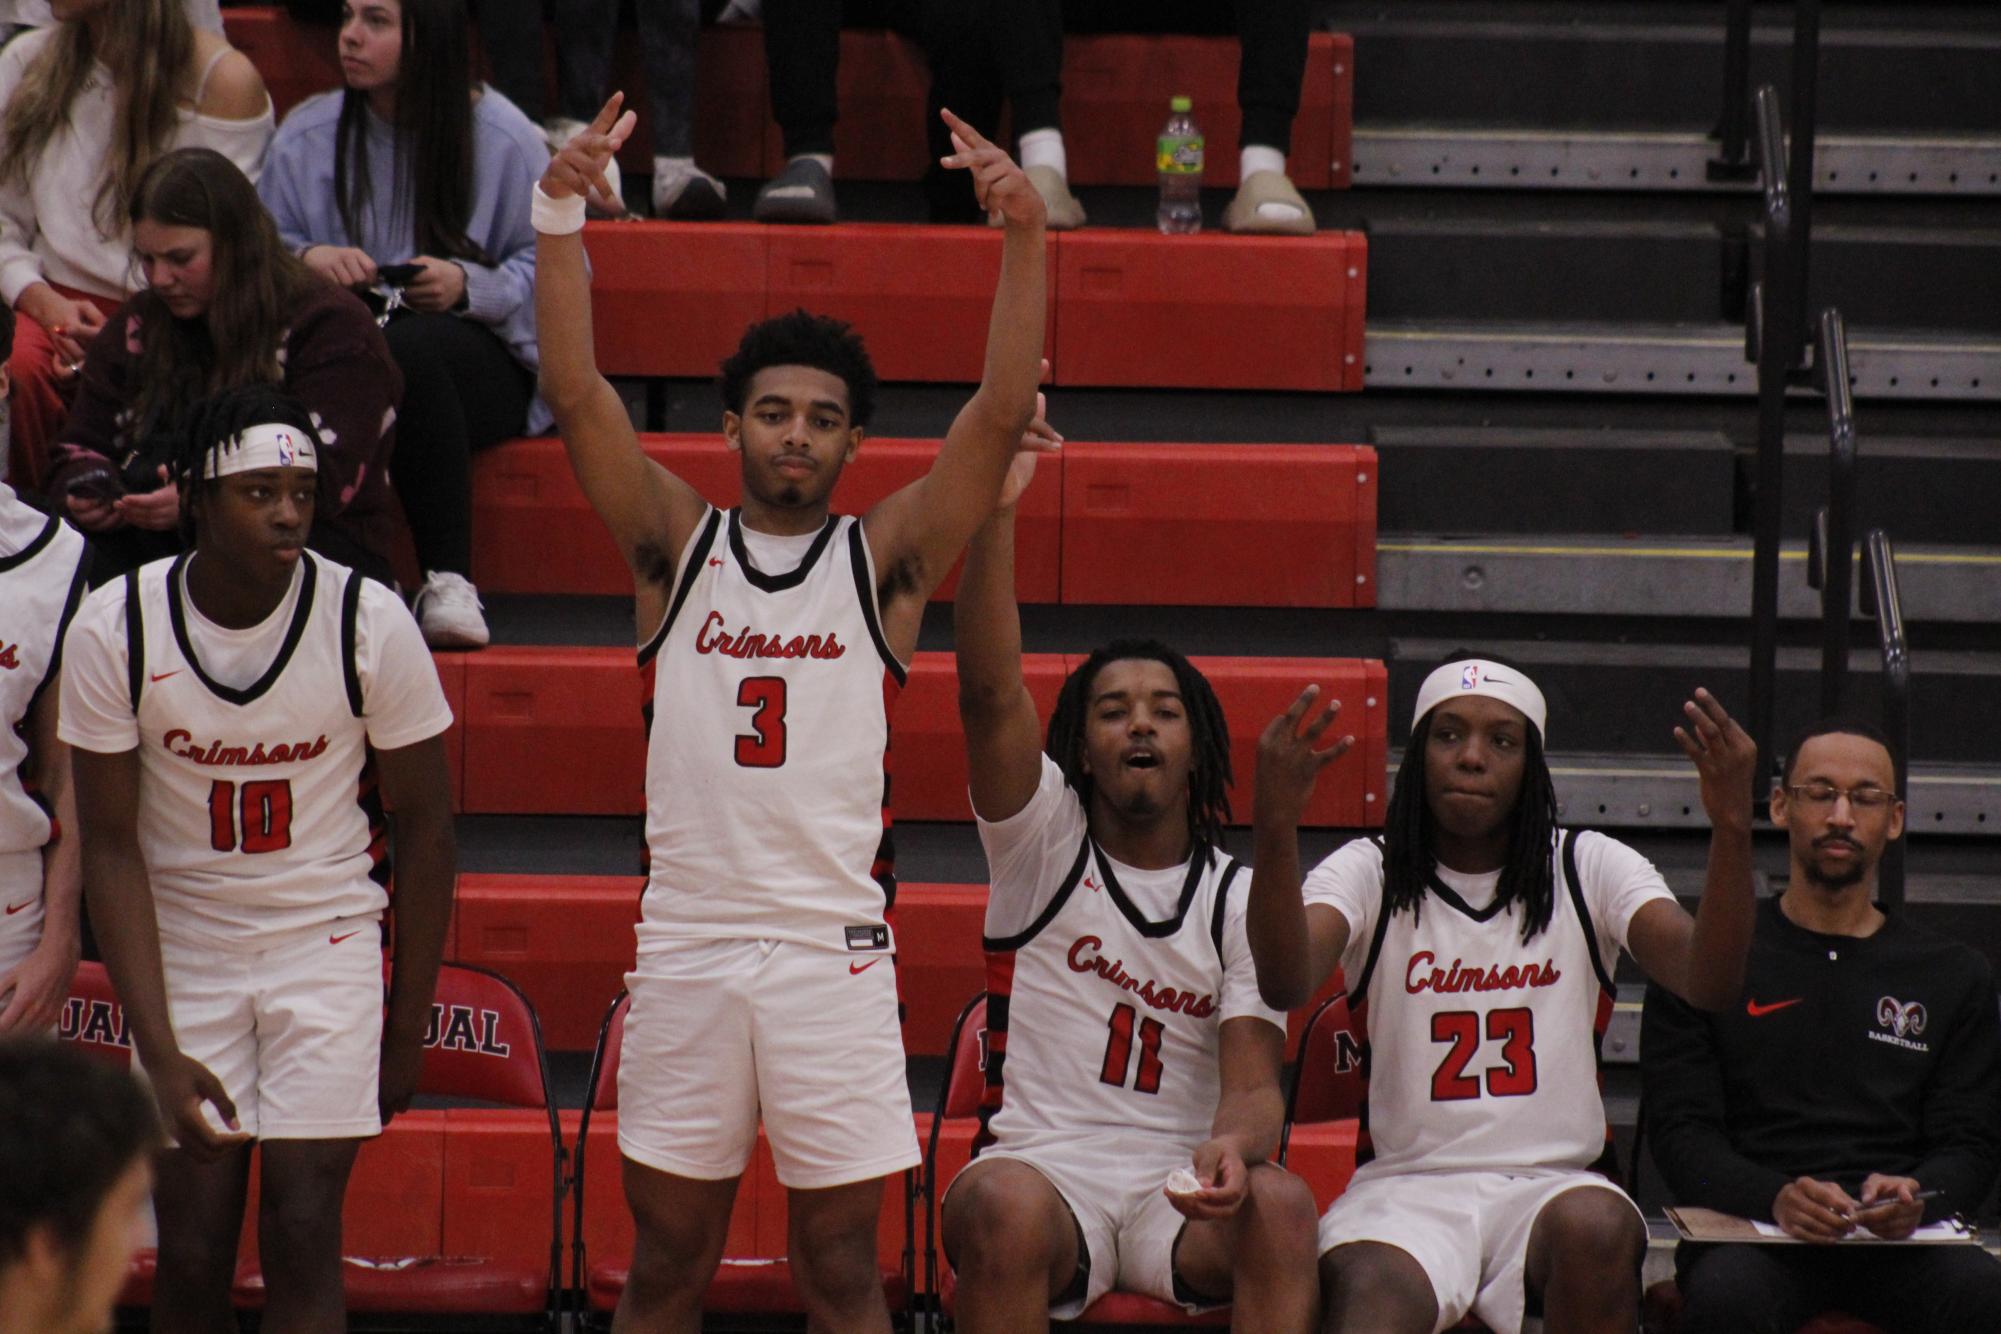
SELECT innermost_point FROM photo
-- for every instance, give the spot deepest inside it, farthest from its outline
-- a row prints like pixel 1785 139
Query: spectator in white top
pixel 89 104
pixel 18 14
pixel 415 181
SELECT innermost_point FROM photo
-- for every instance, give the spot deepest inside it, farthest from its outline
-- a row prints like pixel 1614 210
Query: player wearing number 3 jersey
pixel 774 635
pixel 1125 1040
pixel 1478 942
pixel 239 713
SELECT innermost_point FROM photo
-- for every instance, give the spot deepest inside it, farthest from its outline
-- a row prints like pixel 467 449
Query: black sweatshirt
pixel 1843 1057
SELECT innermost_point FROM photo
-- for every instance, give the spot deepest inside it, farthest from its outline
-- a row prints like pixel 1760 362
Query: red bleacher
pixel 1116 88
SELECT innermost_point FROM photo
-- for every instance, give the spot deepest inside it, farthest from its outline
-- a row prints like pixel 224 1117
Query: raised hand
pixel 579 168
pixel 1001 187
pixel 1288 764
pixel 1040 438
pixel 1724 755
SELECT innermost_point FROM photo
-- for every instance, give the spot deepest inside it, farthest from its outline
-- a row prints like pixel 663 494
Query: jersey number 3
pixel 1513 1078
pixel 266 823
pixel 763 747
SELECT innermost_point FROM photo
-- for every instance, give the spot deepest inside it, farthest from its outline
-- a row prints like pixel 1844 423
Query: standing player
pixel 1478 941
pixel 42 567
pixel 1124 1030
pixel 777 635
pixel 224 705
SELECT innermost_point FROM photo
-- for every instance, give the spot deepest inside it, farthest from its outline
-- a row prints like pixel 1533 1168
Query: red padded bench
pixel 525 487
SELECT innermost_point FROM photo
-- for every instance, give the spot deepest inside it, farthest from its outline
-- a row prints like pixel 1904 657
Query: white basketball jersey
pixel 41 583
pixel 1101 1019
pixel 767 787
pixel 258 810
pixel 1481 1050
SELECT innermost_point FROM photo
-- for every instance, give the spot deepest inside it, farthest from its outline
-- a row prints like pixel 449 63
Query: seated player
pixel 42 566
pixel 76 1160
pixel 1125 1037
pixel 1859 1072
pixel 231 710
pixel 774 636
pixel 1478 941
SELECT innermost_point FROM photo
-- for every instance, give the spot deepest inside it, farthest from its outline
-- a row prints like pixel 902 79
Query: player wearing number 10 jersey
pixel 1478 942
pixel 223 706
pixel 776 635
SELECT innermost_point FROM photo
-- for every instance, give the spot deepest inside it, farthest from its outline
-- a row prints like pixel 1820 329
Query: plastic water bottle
pixel 1179 159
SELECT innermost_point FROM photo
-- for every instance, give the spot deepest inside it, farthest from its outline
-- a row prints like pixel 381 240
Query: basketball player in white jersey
pixel 1125 1038
pixel 42 567
pixel 776 635
pixel 224 706
pixel 1478 942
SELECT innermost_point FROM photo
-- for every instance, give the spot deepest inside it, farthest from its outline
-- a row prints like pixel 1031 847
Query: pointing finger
pixel 962 133
pixel 1297 709
pixel 608 113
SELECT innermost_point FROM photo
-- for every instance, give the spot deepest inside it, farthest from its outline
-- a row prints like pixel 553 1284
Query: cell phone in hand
pixel 398 275
pixel 99 484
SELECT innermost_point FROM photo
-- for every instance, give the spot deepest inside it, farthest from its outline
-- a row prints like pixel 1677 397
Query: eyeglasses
pixel 1826 794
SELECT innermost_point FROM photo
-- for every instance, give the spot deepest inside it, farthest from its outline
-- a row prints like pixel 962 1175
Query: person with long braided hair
pixel 1133 1072
pixel 1478 940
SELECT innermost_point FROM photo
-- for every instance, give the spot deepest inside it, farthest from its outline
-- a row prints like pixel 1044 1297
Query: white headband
pixel 265 446
pixel 1477 676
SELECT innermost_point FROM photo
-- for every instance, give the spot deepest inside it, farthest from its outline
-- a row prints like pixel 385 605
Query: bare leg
pixel 1012 1244
pixel 831 1239
pixel 1261 1257
pixel 298 1233
pixel 200 1209
pixel 1584 1258
pixel 682 1224
pixel 1371 1287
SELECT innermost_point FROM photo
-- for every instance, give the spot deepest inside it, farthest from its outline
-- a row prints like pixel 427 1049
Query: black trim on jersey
pixel 135 639
pixel 1457 904
pixel 79 584
pixel 778 583
pixel 1583 913
pixel 1002 944
pixel 1360 985
pixel 696 555
pixel 34 547
pixel 865 592
pixel 1222 903
pixel 350 670
pixel 1198 863
pixel 302 613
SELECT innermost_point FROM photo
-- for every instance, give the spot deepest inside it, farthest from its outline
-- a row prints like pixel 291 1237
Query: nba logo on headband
pixel 1469 679
pixel 1483 677
pixel 287 451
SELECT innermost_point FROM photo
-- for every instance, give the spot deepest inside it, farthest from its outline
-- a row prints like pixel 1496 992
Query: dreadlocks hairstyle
pixel 432 134
pixel 802 339
pixel 151 46
pixel 217 423
pixel 1527 877
pixel 1208 778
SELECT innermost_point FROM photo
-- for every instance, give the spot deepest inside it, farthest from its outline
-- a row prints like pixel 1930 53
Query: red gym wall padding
pixel 1219 525
pixel 566 941
pixel 674 298
pixel 554 730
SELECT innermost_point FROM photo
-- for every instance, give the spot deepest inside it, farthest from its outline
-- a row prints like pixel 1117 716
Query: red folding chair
pixel 485 1045
pixel 743 1286
pixel 959 1100
pixel 1328 1084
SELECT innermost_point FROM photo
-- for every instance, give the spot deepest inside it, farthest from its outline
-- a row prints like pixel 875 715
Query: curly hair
pixel 802 338
pixel 1209 777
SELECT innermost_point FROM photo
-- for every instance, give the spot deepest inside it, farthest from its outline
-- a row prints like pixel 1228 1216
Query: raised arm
pixel 1003 735
pixel 651 512
pixel 1702 960
pixel 916 534
pixel 1294 946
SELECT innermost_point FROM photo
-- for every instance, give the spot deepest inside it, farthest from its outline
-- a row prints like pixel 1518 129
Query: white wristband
pixel 556 217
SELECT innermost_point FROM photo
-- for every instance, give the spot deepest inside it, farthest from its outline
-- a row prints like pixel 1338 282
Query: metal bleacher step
pixel 1660 359
pixel 1654 575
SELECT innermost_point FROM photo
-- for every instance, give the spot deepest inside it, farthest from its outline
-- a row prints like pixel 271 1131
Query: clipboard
pixel 1708 1225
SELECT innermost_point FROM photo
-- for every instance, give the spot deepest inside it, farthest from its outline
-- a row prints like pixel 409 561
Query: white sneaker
pixel 448 610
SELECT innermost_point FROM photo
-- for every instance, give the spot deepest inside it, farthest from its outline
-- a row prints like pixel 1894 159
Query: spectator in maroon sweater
pixel 225 304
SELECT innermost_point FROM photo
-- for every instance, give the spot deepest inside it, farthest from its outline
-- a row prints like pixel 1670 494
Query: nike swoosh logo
pixel 714 561
pixel 161 676
pixel 854 968
pixel 13 908
pixel 335 940
pixel 1757 1011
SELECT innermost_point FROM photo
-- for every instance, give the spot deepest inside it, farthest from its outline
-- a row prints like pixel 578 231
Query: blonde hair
pixel 155 45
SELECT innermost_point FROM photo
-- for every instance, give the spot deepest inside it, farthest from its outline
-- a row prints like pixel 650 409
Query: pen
pixel 1888 1200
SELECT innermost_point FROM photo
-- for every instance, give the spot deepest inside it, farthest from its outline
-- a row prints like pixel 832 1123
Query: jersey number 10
pixel 266 816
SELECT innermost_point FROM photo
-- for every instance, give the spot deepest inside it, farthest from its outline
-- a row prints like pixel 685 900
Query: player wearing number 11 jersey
pixel 1478 942
pixel 775 634
pixel 239 714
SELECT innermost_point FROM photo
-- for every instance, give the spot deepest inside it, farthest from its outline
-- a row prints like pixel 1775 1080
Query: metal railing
pixel 1830 548
pixel 1880 599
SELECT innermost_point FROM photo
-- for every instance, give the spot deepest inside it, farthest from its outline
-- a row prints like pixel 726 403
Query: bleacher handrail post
pixel 1838 541
pixel 1776 335
pixel 1733 129
pixel 1882 600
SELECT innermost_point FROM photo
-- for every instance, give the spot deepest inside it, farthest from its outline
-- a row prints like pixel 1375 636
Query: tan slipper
pixel 1268 204
pixel 1065 213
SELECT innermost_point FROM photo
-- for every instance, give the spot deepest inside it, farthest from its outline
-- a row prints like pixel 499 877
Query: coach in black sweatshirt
pixel 1861 1066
